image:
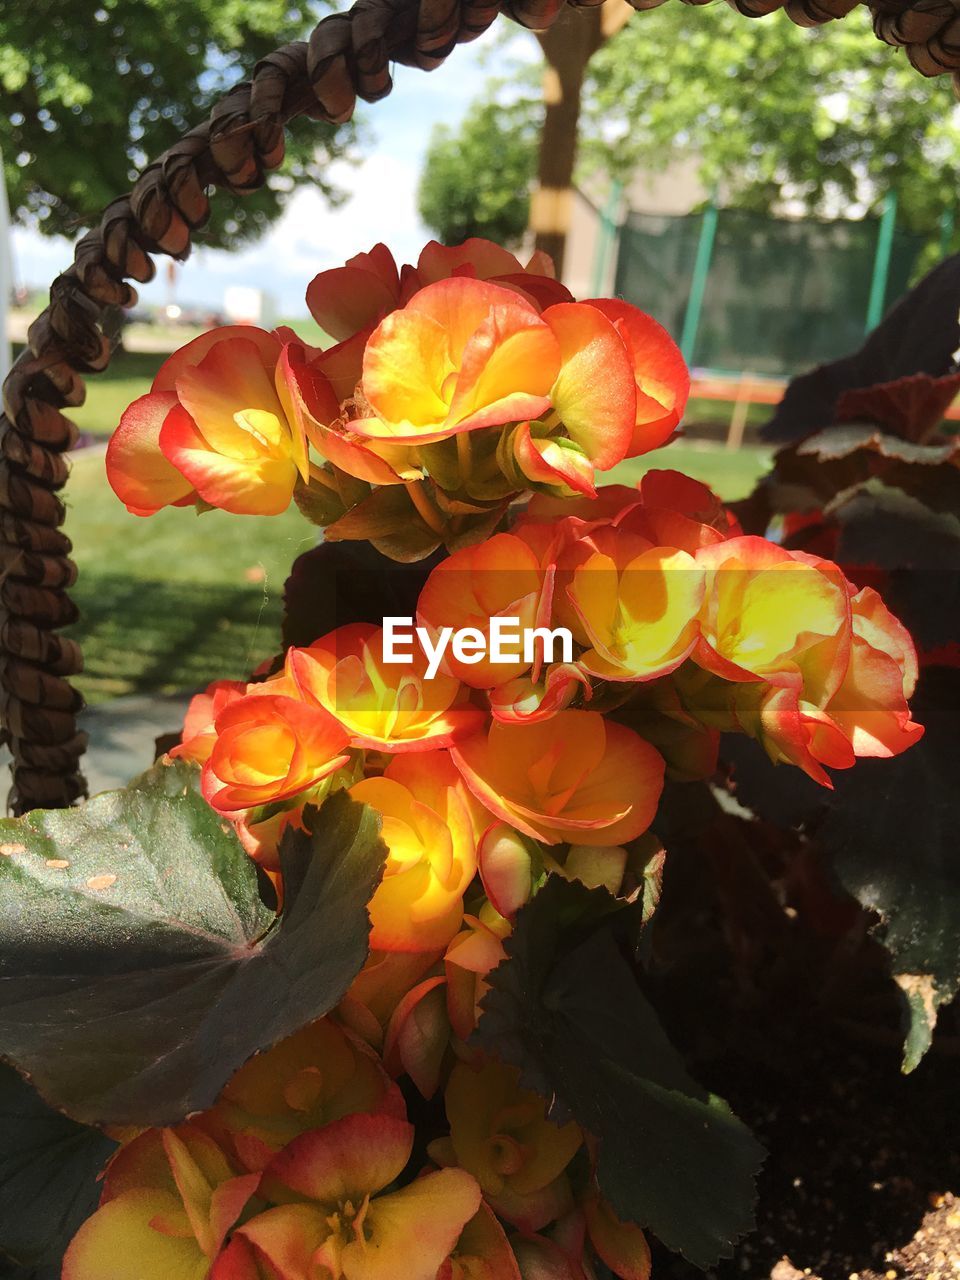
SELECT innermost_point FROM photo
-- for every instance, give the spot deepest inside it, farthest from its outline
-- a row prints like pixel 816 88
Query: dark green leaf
pixel 856 437
pixel 135 979
pixel 889 829
pixel 919 548
pixel 892 837
pixel 10 1270
pixel 49 1166
pixel 566 1009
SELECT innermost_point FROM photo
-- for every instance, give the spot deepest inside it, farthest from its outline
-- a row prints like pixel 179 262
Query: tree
pixel 95 88
pixel 818 122
pixel 476 181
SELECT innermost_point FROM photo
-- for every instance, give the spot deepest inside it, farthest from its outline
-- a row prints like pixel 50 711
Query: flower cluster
pixel 305 1170
pixel 452 387
pixel 458 385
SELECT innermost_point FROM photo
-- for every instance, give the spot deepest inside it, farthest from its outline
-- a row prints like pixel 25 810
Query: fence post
pixel 881 261
pixel 607 237
pixel 698 283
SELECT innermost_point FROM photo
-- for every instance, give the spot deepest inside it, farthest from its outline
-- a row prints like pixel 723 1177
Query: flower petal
pixel 595 393
pixel 141 476
pixel 119 1243
pixel 187 357
pixel 247 486
pixel 413 1230
pixel 621 1245
pixel 347 1159
pixel 660 371
pixel 348 298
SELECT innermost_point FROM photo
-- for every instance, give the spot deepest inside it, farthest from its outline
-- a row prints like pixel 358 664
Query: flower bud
pixel 506 863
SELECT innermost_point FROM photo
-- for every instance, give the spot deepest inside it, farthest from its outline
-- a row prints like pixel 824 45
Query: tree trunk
pixel 567 48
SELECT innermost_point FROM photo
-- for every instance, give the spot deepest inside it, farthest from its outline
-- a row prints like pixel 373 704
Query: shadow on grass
pixel 142 636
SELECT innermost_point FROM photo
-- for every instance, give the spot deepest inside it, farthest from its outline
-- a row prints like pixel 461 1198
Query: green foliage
pixel 917 896
pixel 823 118
pixel 92 90
pixel 567 1010
pixel 888 830
pixel 140 966
pixel 770 113
pixel 48 1174
pixel 476 181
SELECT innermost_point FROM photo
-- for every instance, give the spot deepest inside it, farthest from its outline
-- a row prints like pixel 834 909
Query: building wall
pixel 677 190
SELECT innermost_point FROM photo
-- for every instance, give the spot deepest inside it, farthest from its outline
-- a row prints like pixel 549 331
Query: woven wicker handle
pixel 347 57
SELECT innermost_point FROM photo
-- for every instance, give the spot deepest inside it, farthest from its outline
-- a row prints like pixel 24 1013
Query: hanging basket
pixel 347 57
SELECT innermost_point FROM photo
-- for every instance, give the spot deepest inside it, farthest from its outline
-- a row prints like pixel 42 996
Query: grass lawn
pixel 175 600
pixel 731 473
pixel 128 376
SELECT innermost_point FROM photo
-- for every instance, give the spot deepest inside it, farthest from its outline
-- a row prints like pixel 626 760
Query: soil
pixel 863 1175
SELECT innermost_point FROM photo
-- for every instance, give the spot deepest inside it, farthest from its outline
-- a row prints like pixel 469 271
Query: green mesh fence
pixel 781 294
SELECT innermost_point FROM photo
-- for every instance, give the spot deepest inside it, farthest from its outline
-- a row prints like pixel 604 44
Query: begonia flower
pixel 334 1217
pixel 169 1199
pixel 389 706
pixel 500 1133
pixel 431 853
pixel 573 776
pixel 271 748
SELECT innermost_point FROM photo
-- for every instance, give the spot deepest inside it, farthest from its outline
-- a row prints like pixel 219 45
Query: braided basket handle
pixel 347 57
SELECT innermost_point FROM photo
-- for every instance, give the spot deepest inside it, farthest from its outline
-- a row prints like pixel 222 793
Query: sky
pixel 310 236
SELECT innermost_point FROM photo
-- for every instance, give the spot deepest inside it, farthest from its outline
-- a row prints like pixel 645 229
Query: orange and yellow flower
pixel 499 1132
pixel 473 953
pixel 870 706
pixel 768 612
pixel 387 706
pixel 640 614
pixel 573 776
pixel 482 1252
pixel 354 298
pixel 430 834
pixel 499 578
pixel 815 670
pixel 333 1218
pixel 659 370
pixel 622 1246
pixel 347 300
pixel 217 427
pixel 319 1074
pixel 169 1199
pixel 484 260
pixel 524 700
pixel 461 355
pixel 270 748
pixel 199 733
pixel 418 1036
